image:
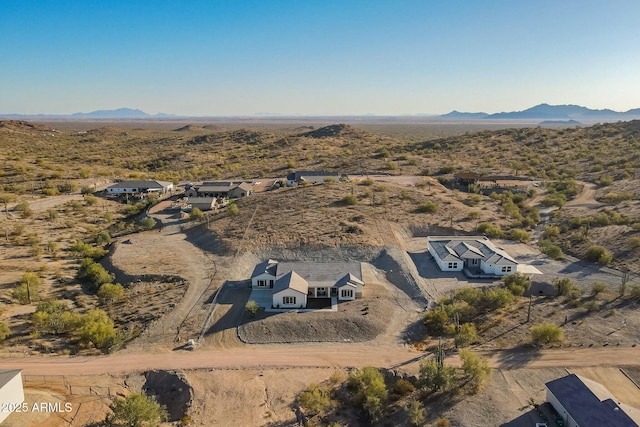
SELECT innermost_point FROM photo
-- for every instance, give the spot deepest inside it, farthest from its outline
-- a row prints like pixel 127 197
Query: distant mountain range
pixel 120 113
pixel 539 112
pixel 552 112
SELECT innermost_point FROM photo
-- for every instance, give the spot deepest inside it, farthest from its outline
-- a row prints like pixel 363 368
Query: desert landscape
pixel 103 296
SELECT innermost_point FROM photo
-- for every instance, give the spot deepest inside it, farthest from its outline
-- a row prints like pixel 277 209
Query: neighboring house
pixel 339 280
pixel 219 189
pixel 473 253
pixel 585 403
pixel 11 392
pixel 464 179
pixel 290 291
pixel 202 203
pixel 140 187
pixel 311 177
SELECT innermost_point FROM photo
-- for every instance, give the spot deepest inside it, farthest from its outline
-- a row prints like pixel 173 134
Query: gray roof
pixel 321 274
pixel 312 176
pixel 291 280
pixel 7 375
pixel 349 280
pixel 201 199
pixel 585 407
pixel 269 266
pixel 220 186
pixel 461 248
pixel 141 184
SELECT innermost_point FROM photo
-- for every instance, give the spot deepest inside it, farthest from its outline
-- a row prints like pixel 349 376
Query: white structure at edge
pixel 11 392
pixel 455 253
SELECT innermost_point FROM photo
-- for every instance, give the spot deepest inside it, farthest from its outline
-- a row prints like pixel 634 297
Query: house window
pixel 474 261
pixel 262 283
pixel 347 293
pixel 288 300
pixel 453 265
pixel 271 283
pixel 506 269
pixel 321 292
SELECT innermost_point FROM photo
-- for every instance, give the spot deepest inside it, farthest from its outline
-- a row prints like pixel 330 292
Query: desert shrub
pixel 466 336
pixel 592 306
pixel 476 368
pixel 54 317
pixel 315 399
pixel 599 254
pixel 517 283
pixel 24 209
pixel 85 250
pixel 520 235
pixel 233 209
pixel 103 238
pixel 605 180
pixel 436 321
pixel 617 197
pixel 196 214
pixel 490 230
pixel 148 223
pixel 442 422
pixel 546 333
pixel 597 288
pixel 498 298
pixel 435 376
pixel 634 242
pixel 94 274
pixel 415 410
pixel 367 182
pixel 564 286
pixel 472 296
pixel 350 199
pixel 252 308
pixel 369 390
pixel 403 387
pixel 90 200
pixel 97 329
pixel 390 165
pixel 428 207
pixel 86 190
pixel 137 409
pixel 5 331
pixel 634 292
pixel 446 169
pixel 549 249
pixel 110 293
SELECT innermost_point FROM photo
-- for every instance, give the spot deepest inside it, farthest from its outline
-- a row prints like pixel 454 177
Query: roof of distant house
pixel 291 280
pixel 348 280
pixel 7 375
pixel 312 176
pixel 585 407
pixel 454 248
pixel 141 184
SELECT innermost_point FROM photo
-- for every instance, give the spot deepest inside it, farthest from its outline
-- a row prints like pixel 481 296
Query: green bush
pixel 599 254
pixel 466 336
pixel 252 308
pixel 597 288
pixel 350 199
pixel 428 207
pixel 436 321
pixel 97 329
pixel 369 390
pixel 476 368
pixel 546 333
pixel 520 235
pixel 110 293
pixel 315 399
pixel 148 223
pixel 517 283
pixel 490 230
pixel 196 214
pixel 136 410
pixel 403 387
pixel 551 250
pixel 4 331
pixel 94 274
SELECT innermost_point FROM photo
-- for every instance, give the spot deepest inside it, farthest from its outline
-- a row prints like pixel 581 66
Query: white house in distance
pixel 474 253
pixel 582 402
pixel 292 283
pixel 11 392
pixel 140 187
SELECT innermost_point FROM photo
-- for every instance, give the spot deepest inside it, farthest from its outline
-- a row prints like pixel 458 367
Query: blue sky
pixel 306 57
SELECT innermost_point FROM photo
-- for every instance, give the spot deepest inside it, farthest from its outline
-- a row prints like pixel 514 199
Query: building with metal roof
pixel 585 403
pixel 11 391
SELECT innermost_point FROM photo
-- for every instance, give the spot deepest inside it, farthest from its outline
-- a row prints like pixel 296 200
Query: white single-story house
pixel 582 402
pixel 311 177
pixel 219 189
pixel 202 203
pixel 290 291
pixel 339 280
pixel 455 253
pixel 11 391
pixel 140 187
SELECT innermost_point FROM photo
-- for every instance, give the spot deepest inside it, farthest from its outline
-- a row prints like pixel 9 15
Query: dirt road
pixel 310 355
